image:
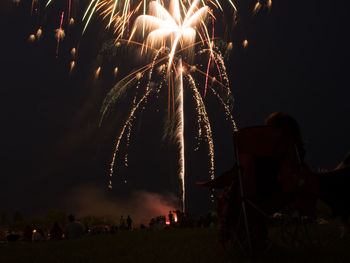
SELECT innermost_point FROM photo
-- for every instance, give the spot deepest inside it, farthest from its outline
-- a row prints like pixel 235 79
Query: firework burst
pixel 119 13
pixel 178 40
pixel 170 38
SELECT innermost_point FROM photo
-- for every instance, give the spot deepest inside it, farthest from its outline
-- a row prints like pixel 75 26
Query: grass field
pixel 173 245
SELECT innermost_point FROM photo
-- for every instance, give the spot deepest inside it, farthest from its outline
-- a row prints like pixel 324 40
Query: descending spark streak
pixel 59 34
pixel 31 38
pixel 257 7
pixel 69 8
pixel 222 68
pixel 48 3
pixel 88 9
pixel 33 3
pixel 245 43
pixel 127 143
pixel 128 121
pixel 112 13
pixel 180 129
pixel 39 33
pixel 92 12
pixel 207 75
pixel 269 3
pixel 200 107
pixel 210 57
pixel 115 72
pixel 220 60
pixel 227 110
pixel 72 65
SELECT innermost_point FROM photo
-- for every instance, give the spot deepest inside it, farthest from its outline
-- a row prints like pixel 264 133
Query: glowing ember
pixel 245 43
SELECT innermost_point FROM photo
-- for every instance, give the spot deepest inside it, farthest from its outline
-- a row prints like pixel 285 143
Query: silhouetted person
pixel 129 221
pixel 152 223
pixel 12 237
pixel 290 127
pixel 27 233
pixel 113 229
pixel 38 235
pixel 122 223
pixel 73 229
pixel 307 188
pixel 56 232
pixel 171 218
pixel 200 222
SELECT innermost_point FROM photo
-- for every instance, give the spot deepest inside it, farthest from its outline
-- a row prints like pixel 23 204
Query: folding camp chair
pixel 269 176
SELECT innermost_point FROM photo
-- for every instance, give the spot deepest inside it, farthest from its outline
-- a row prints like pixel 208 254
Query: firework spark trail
pixel 69 8
pixel 206 77
pixel 210 44
pixel 201 111
pixel 115 93
pixel 153 64
pixel 257 7
pixel 127 123
pixel 59 34
pixel 128 134
pixel 72 65
pixel 180 129
pixel 34 2
pixel 38 34
pixel 227 110
pixel 134 102
pixel 198 110
pixel 112 13
pixel 48 3
pixel 221 64
pixel 135 106
pixel 91 13
pixel 209 62
pixel 220 60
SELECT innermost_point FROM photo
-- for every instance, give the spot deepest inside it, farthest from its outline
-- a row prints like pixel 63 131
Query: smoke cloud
pixel 141 206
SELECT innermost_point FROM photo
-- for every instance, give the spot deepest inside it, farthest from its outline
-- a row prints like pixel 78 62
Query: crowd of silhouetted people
pixel 75 229
pixel 72 230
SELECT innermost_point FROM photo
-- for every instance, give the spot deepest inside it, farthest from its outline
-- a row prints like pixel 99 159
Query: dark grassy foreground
pixel 176 245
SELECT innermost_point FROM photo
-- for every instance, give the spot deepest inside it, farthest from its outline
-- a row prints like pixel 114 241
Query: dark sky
pixel 50 143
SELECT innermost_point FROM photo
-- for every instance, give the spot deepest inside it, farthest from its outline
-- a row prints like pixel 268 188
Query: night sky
pixel 51 145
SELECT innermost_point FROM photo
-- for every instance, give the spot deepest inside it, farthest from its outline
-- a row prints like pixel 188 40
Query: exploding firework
pixel 171 38
pixel 119 15
pixel 120 12
pixel 179 42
